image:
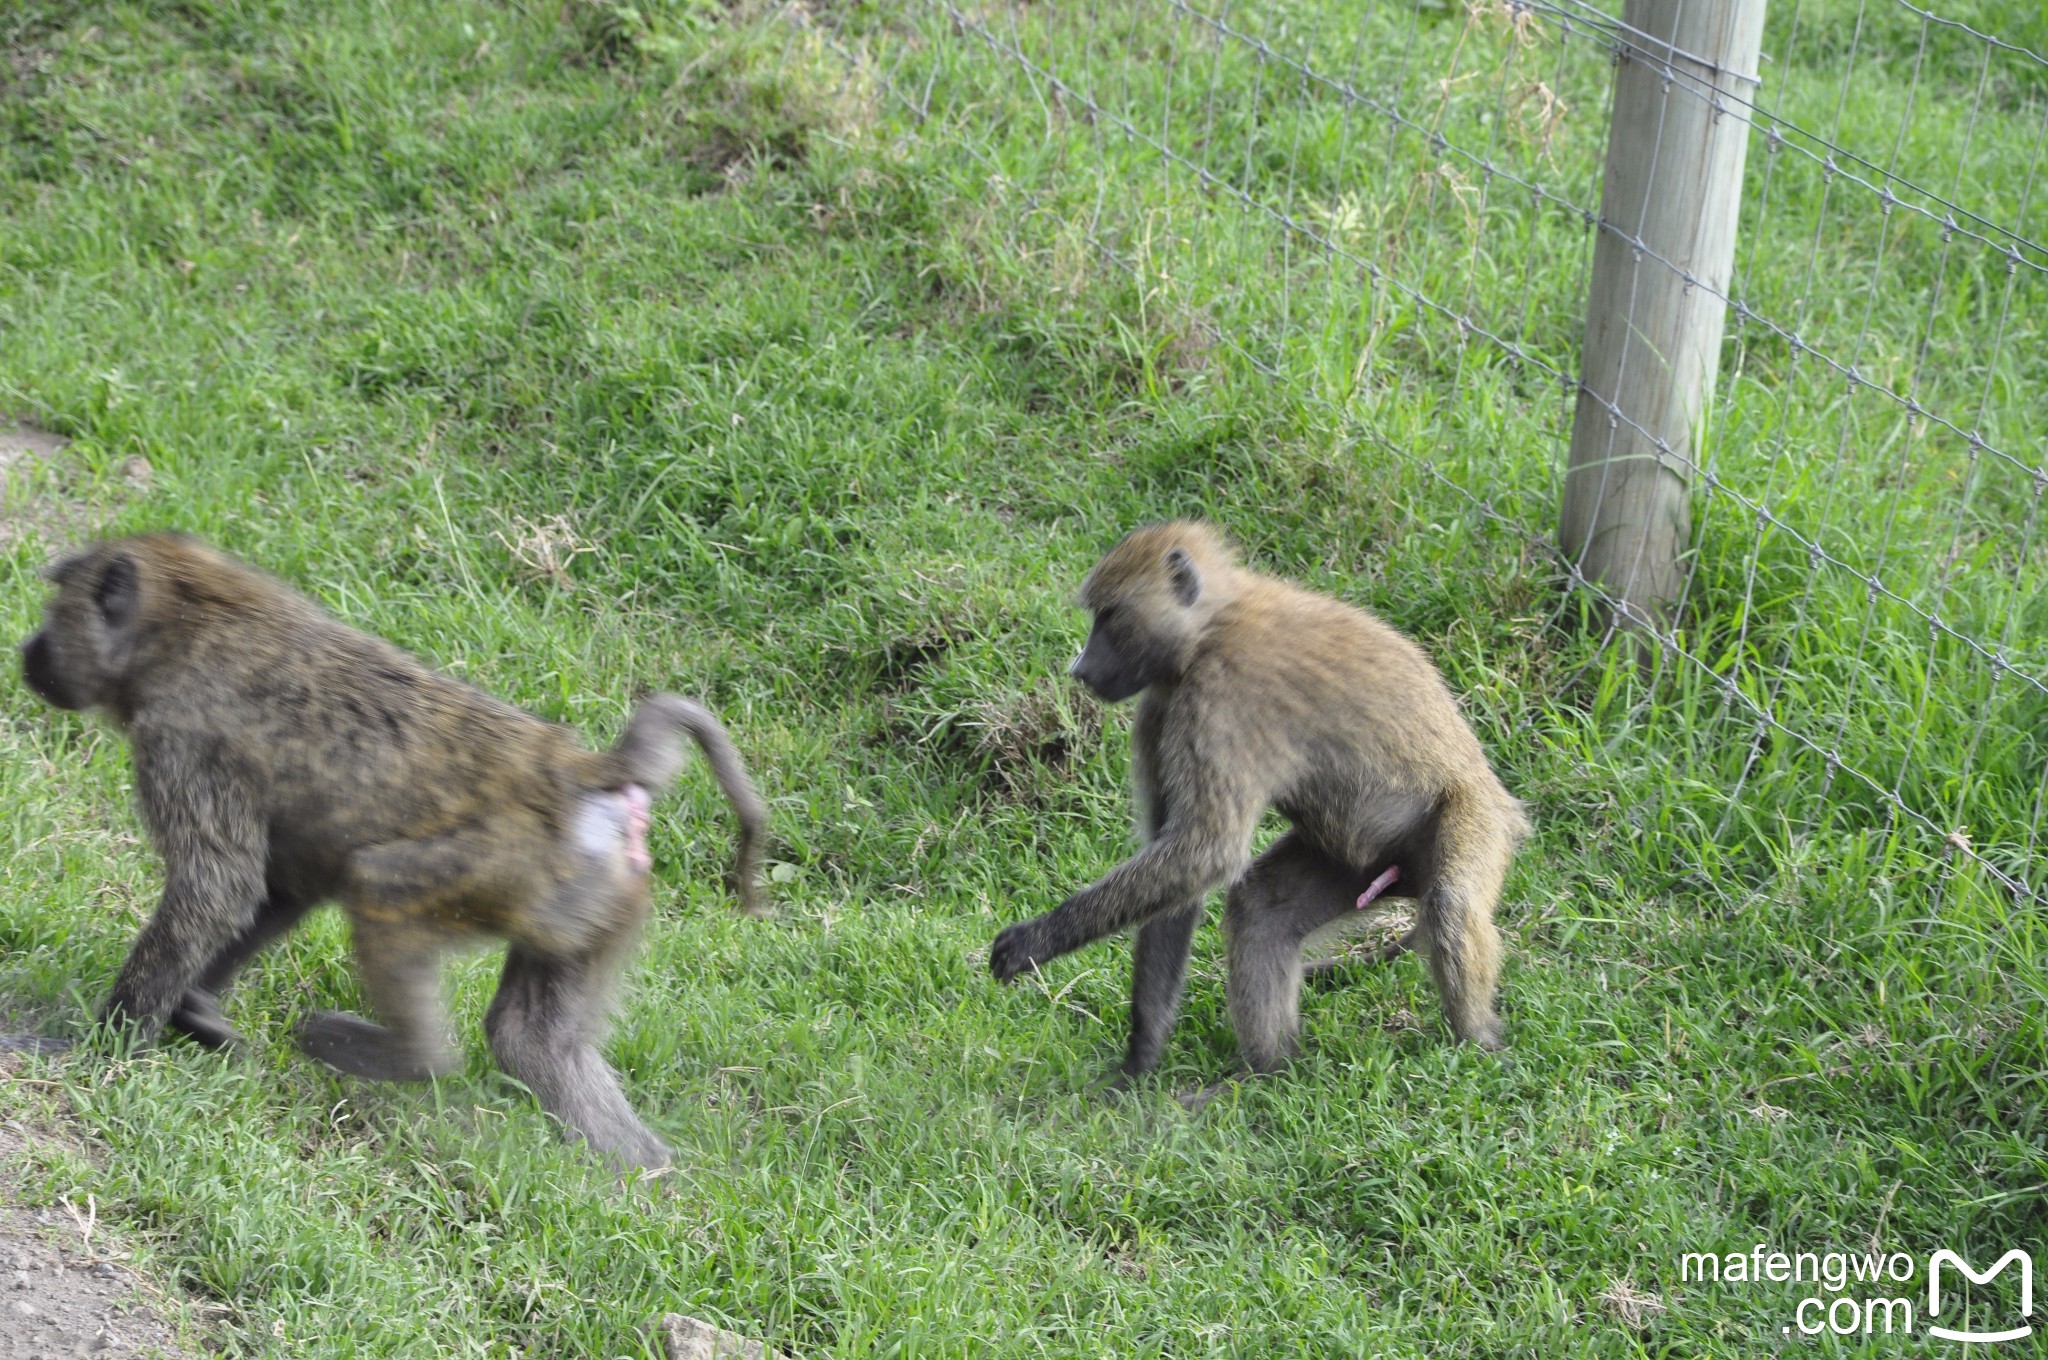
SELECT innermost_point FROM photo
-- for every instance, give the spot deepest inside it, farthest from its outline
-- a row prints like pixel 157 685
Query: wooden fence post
pixel 1655 307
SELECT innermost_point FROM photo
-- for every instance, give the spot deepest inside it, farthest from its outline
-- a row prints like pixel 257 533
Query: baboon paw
pixel 1117 1084
pixel 124 1023
pixel 1195 1101
pixel 645 1154
pixel 627 1149
pixel 198 1017
pixel 351 1044
pixel 1017 949
pixel 340 1040
pixel 1482 1034
pixel 33 1043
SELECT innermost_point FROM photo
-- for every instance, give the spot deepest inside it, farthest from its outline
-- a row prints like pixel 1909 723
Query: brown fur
pixel 1260 694
pixel 282 759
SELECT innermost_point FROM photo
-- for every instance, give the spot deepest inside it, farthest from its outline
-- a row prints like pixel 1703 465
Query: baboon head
pixel 116 605
pixel 1151 595
pixel 78 657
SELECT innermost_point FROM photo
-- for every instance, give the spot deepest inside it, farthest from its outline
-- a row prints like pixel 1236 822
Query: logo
pixel 1934 1265
pixel 1851 1289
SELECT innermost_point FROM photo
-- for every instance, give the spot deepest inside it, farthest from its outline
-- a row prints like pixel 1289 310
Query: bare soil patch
pixel 45 496
pixel 65 1287
pixel 24 452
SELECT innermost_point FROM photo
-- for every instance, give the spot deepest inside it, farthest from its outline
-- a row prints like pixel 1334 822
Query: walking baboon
pixel 1260 694
pixel 282 759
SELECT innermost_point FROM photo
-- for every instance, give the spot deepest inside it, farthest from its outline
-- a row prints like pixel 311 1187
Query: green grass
pixel 843 401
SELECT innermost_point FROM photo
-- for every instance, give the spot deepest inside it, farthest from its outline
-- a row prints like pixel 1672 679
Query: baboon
pixel 283 759
pixel 1259 694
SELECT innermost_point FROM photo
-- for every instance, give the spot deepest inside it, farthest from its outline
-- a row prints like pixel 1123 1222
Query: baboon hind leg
pixel 1455 922
pixel 401 970
pixel 1288 893
pixel 545 1024
pixel 394 892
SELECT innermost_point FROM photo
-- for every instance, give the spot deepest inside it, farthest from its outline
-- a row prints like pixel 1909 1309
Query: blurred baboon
pixel 283 759
pixel 1260 694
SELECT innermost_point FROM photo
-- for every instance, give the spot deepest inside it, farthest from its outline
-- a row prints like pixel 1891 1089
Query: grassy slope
pixel 378 288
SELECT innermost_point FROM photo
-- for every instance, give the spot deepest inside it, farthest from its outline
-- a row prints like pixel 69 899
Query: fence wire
pixel 1392 206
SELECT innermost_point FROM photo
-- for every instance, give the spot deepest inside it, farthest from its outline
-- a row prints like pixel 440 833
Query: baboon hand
pixel 198 1015
pixel 1019 948
pixel 129 1019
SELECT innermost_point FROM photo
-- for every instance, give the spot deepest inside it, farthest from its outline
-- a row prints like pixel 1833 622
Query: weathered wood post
pixel 1655 306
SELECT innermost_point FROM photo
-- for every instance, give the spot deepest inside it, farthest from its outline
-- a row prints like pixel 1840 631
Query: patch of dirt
pixel 900 658
pixel 64 1291
pixel 18 441
pixel 24 451
pixel 688 1338
pixel 30 509
pixel 1359 939
pixel 1031 735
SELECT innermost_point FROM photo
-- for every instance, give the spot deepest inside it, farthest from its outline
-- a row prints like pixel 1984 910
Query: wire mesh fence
pixel 1392 206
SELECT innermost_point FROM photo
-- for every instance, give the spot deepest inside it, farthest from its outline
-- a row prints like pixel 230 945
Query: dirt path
pixel 45 497
pixel 65 1289
pixel 24 450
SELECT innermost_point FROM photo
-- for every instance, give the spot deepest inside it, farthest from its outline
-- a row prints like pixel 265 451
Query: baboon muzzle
pixel 40 675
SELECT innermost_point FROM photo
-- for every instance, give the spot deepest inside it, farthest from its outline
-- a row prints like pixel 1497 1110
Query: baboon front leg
pixel 215 847
pixel 402 976
pixel 33 1043
pixel 1159 954
pixel 279 913
pixel 199 1019
pixel 1159 969
pixel 545 1024
pixel 198 1014
pixel 1288 893
pixel 205 908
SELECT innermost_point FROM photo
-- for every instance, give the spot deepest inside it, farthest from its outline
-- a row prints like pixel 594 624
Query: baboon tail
pixel 651 753
pixel 1477 831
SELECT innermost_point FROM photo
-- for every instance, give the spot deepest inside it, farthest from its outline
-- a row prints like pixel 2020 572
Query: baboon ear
pixel 57 568
pixel 1181 574
pixel 119 592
